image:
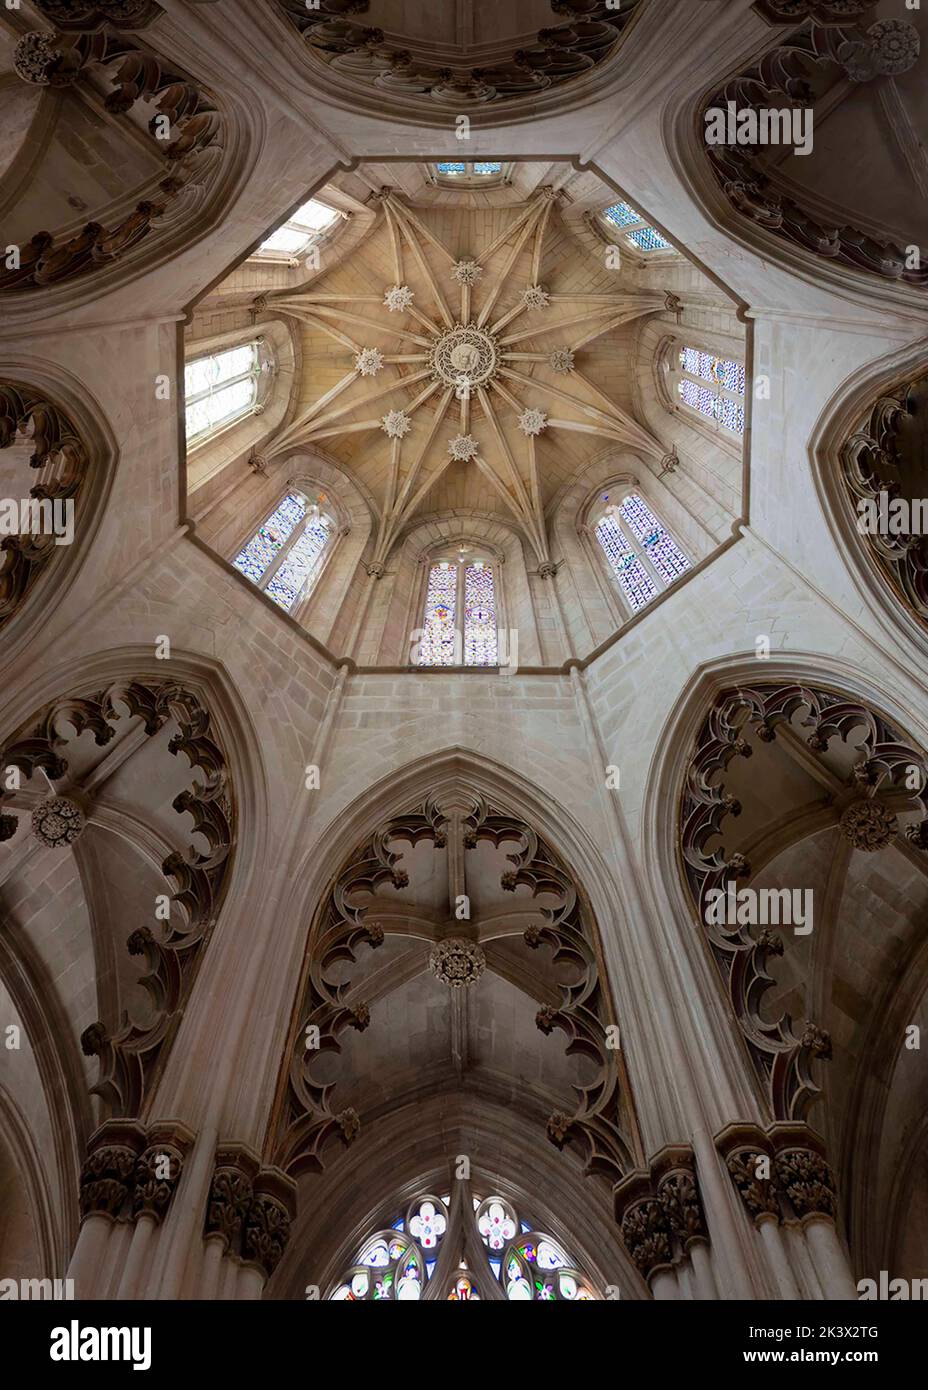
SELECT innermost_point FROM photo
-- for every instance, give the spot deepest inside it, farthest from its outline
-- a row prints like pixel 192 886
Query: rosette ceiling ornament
pixel 477 376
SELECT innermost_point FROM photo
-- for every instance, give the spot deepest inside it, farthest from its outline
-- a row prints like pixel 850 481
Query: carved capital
pixel 231 1193
pixel 109 1168
pixel 267 1224
pixel 808 1182
pixel 646 1234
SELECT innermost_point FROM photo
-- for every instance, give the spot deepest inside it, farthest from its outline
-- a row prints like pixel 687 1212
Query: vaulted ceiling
pixel 474 349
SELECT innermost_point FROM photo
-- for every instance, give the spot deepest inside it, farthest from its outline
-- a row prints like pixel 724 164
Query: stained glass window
pixel 398 1264
pixel 468 169
pixel 659 546
pixel 453 590
pixel 480 639
pixel 723 398
pixel 219 388
pixel 637 585
pixel 284 555
pixel 635 229
pixel 641 552
pixel 300 230
pixel 438 642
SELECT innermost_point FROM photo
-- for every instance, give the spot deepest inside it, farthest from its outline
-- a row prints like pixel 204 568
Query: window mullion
pixel 282 553
pixel 639 548
pixel 459 611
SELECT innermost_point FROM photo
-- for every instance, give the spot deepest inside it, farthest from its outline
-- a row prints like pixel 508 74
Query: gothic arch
pixel 70 430
pixel 408 567
pixel 850 415
pixel 458 777
pixel 855 1117
pixel 216 142
pixel 228 795
pixel 808 240
pixel 383 1171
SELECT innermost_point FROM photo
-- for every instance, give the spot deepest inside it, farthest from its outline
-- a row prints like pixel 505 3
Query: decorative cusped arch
pixel 859 755
pixel 63 458
pixel 866 453
pixel 227 793
pixel 213 140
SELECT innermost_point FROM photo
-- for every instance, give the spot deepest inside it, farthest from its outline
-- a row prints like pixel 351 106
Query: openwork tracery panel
pixel 885 473
pixel 588 34
pixel 836 44
pixel 61 465
pixel 459 953
pixel 171 952
pixel 464 1250
pixel 885 795
pixel 186 132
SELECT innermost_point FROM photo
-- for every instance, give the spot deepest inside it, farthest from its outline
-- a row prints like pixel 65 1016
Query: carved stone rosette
pixel 659 1210
pixel 780 1172
pixel 130 1055
pixel 590 35
pixel 782 1057
pixel 98 46
pixel 884 458
pixel 130 1170
pixel 831 41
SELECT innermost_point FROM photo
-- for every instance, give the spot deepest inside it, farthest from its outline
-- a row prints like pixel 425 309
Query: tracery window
pixel 710 384
pixel 285 555
pixel 468 168
pixel 635 229
pixel 222 386
pixel 300 231
pixel 421 1256
pixel 460 621
pixel 641 553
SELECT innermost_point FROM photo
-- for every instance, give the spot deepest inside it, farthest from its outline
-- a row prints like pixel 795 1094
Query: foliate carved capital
pixel 646 1234
pixel 659 1208
pixel 759 1194
pixel 158 1170
pixel 267 1225
pixel 109 1169
pixel 808 1182
pixel 785 1163
pixel 679 1199
pixel 231 1193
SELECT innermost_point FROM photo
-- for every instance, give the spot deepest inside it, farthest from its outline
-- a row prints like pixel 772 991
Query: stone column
pixel 126 1188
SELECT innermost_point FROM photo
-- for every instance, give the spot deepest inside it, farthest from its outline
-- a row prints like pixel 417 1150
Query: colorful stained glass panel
pixel 480 635
pixel 437 645
pixel 269 539
pixel 299 564
pixel 635 581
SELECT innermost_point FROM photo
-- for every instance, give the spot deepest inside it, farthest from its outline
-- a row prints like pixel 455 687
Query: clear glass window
pixel 219 388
